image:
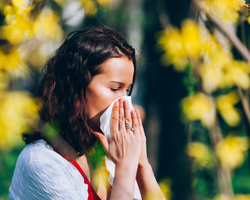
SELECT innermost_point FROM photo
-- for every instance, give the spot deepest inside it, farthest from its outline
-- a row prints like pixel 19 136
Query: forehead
pixel 118 68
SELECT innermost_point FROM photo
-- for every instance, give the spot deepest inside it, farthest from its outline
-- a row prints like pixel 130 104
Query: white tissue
pixel 105 119
pixel 105 125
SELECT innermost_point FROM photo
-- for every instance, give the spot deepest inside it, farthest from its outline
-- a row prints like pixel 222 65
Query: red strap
pixel 91 191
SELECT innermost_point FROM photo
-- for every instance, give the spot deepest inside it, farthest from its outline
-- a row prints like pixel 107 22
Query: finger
pixel 135 122
pixel 139 120
pixel 114 118
pixel 140 125
pixel 121 115
pixel 127 114
pixel 104 141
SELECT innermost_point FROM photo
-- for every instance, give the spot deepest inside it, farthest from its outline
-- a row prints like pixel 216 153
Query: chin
pixel 94 122
pixel 97 130
pixel 95 126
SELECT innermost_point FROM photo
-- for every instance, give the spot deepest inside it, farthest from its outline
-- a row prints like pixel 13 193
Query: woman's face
pixel 114 82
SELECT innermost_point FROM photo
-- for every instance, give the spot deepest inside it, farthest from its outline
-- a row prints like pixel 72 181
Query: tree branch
pixel 224 29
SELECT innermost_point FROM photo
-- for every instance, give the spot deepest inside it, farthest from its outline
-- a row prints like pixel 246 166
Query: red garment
pixel 91 191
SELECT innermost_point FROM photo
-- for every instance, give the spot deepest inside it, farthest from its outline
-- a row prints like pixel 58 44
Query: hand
pixel 125 144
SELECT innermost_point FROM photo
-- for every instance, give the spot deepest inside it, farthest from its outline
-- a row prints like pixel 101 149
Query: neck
pixel 83 162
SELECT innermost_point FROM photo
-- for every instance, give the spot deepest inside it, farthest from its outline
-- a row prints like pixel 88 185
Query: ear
pixel 104 141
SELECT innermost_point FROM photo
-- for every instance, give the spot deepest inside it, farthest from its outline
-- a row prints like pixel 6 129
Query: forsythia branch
pixel 223 28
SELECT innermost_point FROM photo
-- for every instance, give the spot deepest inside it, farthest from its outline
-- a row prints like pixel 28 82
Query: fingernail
pixel 116 103
pixel 126 103
pixel 133 113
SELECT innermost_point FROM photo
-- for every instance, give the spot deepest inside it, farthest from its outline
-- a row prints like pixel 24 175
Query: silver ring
pixel 129 127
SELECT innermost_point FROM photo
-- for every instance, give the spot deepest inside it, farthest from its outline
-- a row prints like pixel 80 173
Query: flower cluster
pixel 202 156
pixel 216 84
pixel 199 107
pixel 212 63
pixel 230 151
pixel 214 66
pixel 225 9
pixel 30 31
pixel 18 113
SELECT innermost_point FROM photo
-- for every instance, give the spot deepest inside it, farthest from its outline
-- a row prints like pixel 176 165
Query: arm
pixel 124 149
pixel 147 183
pixel 145 175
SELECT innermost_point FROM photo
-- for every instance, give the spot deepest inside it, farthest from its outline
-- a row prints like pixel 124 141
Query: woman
pixel 91 69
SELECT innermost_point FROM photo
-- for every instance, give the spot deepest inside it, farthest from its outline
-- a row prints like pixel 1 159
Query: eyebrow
pixel 120 83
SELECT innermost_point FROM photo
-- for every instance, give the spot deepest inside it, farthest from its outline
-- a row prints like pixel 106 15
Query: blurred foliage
pixel 7 165
pixel 218 88
pixel 30 31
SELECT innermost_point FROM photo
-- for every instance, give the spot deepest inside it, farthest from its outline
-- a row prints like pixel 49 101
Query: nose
pixel 124 93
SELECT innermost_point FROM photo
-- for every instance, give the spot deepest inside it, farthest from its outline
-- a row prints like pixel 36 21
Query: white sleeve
pixel 52 181
pixel 41 173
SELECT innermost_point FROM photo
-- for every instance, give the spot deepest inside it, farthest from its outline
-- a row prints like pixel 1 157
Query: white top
pixel 41 173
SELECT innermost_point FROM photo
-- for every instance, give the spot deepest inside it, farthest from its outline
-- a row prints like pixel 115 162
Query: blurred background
pixel 192 85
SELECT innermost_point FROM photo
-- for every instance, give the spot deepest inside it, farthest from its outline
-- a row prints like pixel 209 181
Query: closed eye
pixel 114 89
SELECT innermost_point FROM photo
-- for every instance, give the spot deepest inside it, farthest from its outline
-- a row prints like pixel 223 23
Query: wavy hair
pixel 67 75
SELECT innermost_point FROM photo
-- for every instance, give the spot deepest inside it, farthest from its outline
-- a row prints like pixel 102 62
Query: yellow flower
pixel 18 111
pixel 191 38
pixel 225 105
pixel 18 25
pixel 220 70
pixel 230 151
pixel 222 197
pixel 47 26
pixel 237 4
pixel 19 3
pixel 165 185
pixel 239 74
pixel 10 60
pixel 199 107
pixel 171 41
pixel 100 176
pixel 242 197
pixel 181 46
pixel 201 154
pixel 89 6
pixel 104 2
pixel 235 73
pixel 226 9
pixel 236 197
pixel 188 44
pixel 211 77
pixel 60 2
pixel 248 20
pixel 4 82
pixel 214 69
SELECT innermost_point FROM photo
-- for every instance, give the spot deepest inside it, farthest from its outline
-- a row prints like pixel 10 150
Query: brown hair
pixel 66 77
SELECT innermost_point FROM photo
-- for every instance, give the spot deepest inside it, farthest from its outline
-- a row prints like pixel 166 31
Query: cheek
pixel 98 101
pixel 97 104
